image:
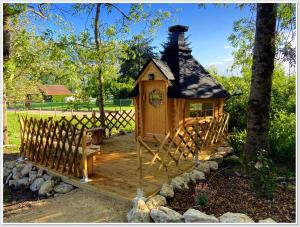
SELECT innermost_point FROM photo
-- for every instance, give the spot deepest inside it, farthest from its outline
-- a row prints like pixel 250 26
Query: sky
pixel 209 28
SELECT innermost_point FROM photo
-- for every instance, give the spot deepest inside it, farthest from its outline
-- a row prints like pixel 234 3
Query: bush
pixel 201 200
pixel 200 195
pixel 282 138
pixel 263 179
pixel 237 140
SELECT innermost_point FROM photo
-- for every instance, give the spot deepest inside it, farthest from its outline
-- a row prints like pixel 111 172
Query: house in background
pixel 54 93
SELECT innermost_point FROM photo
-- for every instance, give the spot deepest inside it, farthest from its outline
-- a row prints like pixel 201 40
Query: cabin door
pixel 154 108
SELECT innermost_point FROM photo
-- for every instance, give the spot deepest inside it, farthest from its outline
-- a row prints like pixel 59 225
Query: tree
pixel 242 37
pixel 261 81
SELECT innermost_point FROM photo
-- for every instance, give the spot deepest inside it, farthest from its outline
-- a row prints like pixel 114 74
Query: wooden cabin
pixel 176 88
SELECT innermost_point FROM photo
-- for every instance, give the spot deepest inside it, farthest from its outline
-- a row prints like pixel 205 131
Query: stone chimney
pixel 177 36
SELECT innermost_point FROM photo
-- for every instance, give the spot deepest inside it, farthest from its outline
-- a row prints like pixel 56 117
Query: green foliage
pixel 237 140
pixel 283 138
pixel 263 179
pixel 201 200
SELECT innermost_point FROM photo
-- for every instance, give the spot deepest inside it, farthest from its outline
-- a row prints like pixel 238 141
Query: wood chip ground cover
pixel 232 193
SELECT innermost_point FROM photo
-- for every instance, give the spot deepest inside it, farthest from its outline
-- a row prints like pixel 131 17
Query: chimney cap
pixel 178 28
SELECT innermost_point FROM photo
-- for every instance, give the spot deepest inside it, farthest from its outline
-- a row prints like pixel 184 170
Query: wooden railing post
pixel 139 192
pixel 84 158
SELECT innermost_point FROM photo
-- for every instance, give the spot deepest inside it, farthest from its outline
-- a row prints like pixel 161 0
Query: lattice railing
pixel 58 146
pixel 189 140
pixel 114 121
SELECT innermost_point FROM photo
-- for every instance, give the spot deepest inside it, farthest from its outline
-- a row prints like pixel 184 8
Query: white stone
pixel 156 201
pixel 63 188
pixel 16 174
pixel 224 150
pixel 26 169
pixel 203 167
pixel 12 183
pixel 232 159
pixel 40 172
pixel 36 184
pixel 8 178
pixel 235 218
pixel 217 157
pixel 196 175
pixel 6 172
pixel 23 182
pixel 165 215
pixel 32 176
pixel 186 178
pixel 167 191
pixel 139 213
pixel 9 164
pixel 213 165
pixel 179 183
pixel 47 177
pixel 267 220
pixel 46 187
pixel 192 215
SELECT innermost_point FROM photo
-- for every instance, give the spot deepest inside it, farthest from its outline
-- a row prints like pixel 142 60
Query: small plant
pixel 263 179
pixel 200 195
pixel 201 200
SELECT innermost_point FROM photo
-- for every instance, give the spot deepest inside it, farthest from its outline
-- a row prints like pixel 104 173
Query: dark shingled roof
pixel 188 77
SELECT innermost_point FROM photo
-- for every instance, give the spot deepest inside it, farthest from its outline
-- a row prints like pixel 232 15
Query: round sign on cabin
pixel 155 97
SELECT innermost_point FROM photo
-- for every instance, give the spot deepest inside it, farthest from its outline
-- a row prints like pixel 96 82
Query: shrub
pixel 282 138
pixel 263 179
pixel 237 140
pixel 200 195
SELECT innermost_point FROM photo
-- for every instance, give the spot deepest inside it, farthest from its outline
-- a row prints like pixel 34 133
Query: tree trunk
pixel 100 82
pixel 6 53
pixel 261 82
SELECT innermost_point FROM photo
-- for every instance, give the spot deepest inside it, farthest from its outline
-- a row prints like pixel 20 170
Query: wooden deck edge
pixel 85 186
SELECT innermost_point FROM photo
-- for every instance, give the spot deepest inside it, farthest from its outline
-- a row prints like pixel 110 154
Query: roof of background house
pixel 54 89
pixel 188 77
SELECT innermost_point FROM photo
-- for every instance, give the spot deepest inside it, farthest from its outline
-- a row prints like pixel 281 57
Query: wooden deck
pixel 116 168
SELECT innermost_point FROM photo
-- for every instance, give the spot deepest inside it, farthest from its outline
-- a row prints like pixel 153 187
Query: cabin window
pixel 151 76
pixel 201 109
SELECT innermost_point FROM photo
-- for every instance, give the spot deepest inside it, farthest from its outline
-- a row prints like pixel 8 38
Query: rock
pixel 167 191
pixel 36 185
pixel 12 183
pixel 63 188
pixel 26 169
pixel 224 150
pixel 40 172
pixel 49 194
pixel 232 159
pixel 16 174
pixel 20 165
pixel 139 213
pixel 57 180
pixel 267 220
pixel 32 176
pixel 196 175
pixel 56 194
pixel 217 157
pixel 46 187
pixel 165 215
pixel 8 178
pixel 156 201
pixel 186 177
pixel 179 183
pixel 23 182
pixel 213 165
pixel 235 218
pixel 192 215
pixel 203 167
pixel 135 201
pixel 9 164
pixel 6 172
pixel 47 177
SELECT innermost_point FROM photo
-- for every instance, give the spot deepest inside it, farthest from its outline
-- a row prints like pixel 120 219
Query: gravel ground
pixel 78 206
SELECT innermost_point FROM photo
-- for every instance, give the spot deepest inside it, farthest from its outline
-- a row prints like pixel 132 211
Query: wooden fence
pixel 58 146
pixel 114 121
pixel 189 139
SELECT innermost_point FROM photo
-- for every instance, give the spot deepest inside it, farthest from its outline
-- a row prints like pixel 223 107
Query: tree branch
pixel 40 12
pixel 118 9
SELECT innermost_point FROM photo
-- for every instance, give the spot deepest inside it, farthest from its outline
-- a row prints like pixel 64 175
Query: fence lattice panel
pixel 52 144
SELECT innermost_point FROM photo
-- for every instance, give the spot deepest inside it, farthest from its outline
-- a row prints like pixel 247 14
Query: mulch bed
pixel 231 193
